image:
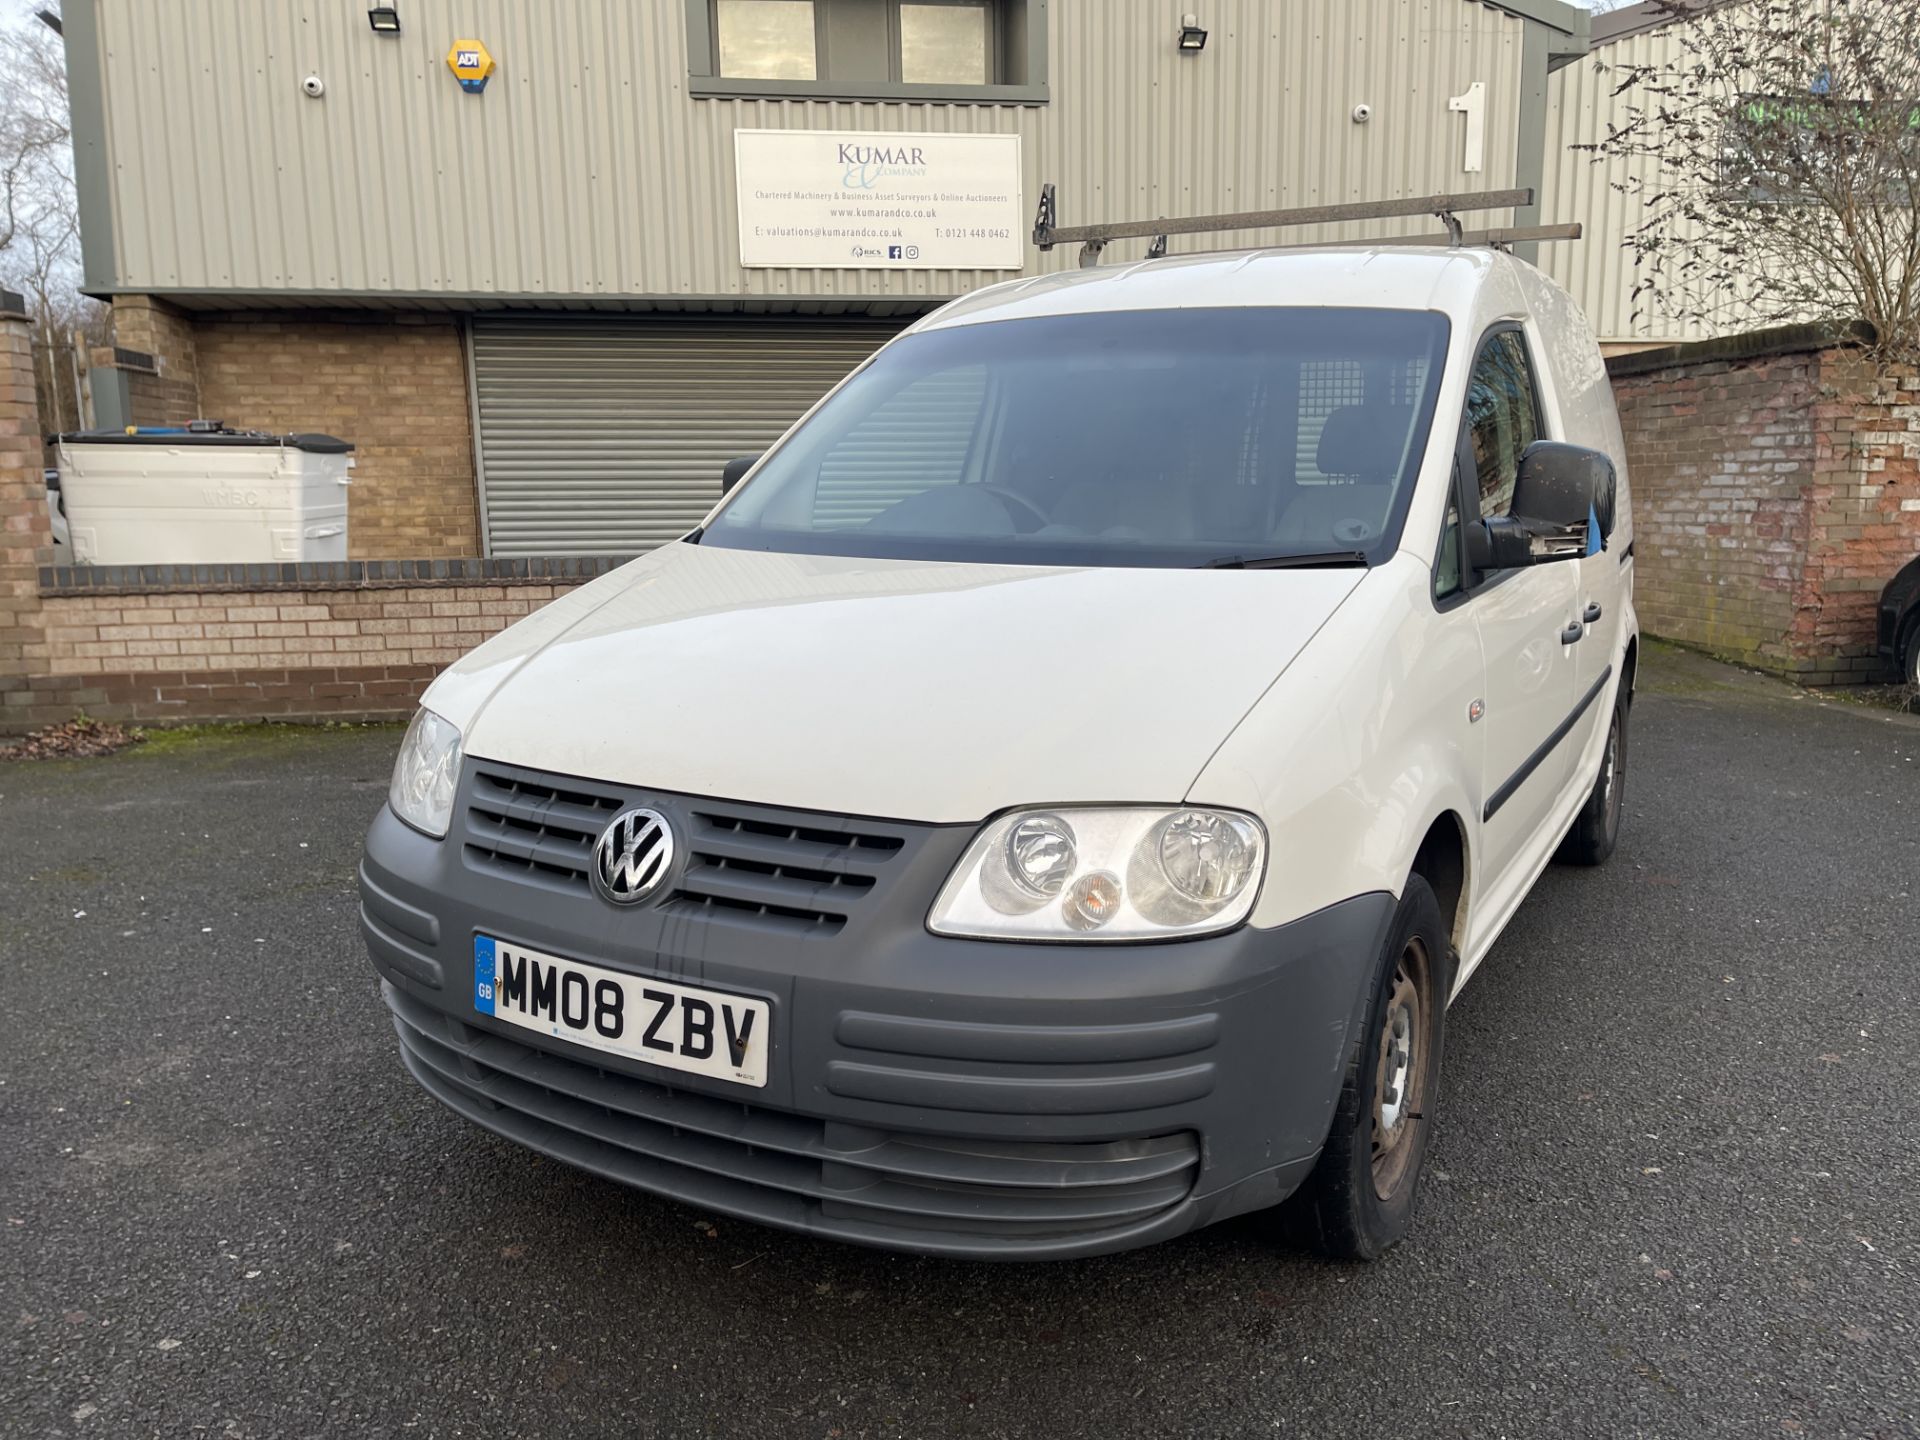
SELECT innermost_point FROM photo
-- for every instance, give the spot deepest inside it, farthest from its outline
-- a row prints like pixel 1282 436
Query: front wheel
pixel 1359 1198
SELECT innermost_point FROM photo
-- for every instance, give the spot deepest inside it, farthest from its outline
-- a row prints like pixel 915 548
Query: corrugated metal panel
pixel 1598 269
pixel 587 170
pixel 603 436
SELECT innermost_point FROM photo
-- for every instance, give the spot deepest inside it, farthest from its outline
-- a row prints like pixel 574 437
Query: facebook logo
pixel 893 252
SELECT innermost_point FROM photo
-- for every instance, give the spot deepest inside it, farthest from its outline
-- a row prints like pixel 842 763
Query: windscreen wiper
pixel 1321 560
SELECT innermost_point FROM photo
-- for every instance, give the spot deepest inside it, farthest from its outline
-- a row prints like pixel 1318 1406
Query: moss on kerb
pixel 239 737
pixel 1687 671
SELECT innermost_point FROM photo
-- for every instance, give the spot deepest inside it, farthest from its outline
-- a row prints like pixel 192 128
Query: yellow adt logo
pixel 471 65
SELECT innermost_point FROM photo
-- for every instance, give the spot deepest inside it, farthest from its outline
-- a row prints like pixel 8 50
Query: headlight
pixel 1104 874
pixel 425 774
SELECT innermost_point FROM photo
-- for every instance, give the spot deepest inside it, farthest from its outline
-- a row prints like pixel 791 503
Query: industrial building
pixel 549 266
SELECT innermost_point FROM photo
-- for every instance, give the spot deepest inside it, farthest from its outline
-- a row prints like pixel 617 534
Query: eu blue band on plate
pixel 483 971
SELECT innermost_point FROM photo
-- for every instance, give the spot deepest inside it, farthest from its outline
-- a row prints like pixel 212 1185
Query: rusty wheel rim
pixel 1612 778
pixel 1400 1077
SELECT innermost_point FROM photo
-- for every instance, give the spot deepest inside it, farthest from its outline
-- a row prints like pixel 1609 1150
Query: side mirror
pixel 735 469
pixel 1564 485
pixel 1560 492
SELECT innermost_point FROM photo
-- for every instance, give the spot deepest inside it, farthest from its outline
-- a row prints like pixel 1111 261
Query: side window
pixel 914 440
pixel 1446 566
pixel 1502 418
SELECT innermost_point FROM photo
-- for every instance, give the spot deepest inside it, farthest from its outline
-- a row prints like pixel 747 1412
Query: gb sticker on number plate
pixel 658 1022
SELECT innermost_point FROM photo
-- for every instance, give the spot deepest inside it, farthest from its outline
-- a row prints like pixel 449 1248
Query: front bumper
pixel 942 1096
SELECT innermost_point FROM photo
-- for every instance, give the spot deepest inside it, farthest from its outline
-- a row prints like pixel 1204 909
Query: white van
pixel 1050 803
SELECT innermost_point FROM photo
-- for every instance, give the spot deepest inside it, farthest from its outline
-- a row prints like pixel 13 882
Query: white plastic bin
pixel 177 498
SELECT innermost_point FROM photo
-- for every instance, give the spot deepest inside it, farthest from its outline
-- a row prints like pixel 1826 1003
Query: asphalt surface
pixel 1672 1190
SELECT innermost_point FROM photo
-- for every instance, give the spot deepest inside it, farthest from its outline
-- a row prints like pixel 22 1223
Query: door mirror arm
pixel 1506 542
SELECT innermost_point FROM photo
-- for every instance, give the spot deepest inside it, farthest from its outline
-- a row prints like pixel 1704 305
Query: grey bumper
pixel 928 1094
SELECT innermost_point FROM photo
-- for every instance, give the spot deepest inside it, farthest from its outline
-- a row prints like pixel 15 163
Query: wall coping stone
pixel 322 575
pixel 1750 345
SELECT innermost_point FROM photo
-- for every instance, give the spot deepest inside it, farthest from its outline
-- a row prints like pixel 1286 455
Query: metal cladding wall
pixel 1598 268
pixel 587 171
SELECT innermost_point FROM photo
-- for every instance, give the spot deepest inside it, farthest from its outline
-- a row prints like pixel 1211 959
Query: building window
pixel 766 39
pixel 970 50
pixel 945 44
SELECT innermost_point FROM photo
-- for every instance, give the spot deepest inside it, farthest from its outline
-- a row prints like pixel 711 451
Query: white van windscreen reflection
pixel 1143 438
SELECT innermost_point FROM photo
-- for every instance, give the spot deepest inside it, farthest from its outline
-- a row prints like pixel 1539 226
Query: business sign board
pixel 827 199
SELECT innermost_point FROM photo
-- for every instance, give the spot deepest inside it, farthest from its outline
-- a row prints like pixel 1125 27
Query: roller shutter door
pixel 606 437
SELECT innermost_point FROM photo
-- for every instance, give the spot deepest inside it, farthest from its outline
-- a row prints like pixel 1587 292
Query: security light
pixel 1192 38
pixel 384 19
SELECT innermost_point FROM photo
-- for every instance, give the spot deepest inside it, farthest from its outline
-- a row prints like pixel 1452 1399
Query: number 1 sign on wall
pixel 1473 105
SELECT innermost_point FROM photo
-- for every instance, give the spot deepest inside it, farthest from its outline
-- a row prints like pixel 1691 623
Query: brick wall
pixel 171 394
pixel 1863 506
pixel 284 653
pixel 26 539
pixel 393 384
pixel 160 643
pixel 1774 494
pixel 1719 456
pixel 237 642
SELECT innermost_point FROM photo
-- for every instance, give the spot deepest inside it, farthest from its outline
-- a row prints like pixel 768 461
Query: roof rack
pixel 1047 232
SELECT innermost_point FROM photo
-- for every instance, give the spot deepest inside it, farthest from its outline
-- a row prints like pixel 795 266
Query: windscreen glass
pixel 1143 438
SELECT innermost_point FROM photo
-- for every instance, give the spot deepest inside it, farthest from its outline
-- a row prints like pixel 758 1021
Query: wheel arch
pixel 1630 667
pixel 1443 859
pixel 1906 636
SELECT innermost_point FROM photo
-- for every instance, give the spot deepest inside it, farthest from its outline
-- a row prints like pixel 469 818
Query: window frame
pixel 1464 481
pixel 1456 500
pixel 1492 333
pixel 1013 26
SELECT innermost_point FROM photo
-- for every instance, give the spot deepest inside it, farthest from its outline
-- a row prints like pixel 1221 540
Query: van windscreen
pixel 1138 438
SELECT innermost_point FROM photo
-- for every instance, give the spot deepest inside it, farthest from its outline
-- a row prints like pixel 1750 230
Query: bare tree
pixel 1776 156
pixel 39 216
pixel 36 150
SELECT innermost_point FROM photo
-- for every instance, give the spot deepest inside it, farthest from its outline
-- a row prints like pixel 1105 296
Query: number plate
pixel 675 1026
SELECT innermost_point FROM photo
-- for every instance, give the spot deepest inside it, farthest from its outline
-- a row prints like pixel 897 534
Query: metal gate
pixel 605 436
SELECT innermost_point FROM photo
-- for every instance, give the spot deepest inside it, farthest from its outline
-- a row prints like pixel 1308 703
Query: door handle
pixel 1572 633
pixel 1593 612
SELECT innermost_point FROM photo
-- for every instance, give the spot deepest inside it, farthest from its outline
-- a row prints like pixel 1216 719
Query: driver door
pixel 1524 616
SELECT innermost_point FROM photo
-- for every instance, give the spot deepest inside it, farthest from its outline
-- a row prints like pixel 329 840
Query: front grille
pixel 789 1169
pixel 536 829
pixel 786 876
pixel 789 872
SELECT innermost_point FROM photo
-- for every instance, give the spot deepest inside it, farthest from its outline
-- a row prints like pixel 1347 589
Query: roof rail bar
pixel 1500 237
pixel 1048 232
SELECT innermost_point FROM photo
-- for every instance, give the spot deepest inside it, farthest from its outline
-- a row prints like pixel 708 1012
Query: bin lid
pixel 180 435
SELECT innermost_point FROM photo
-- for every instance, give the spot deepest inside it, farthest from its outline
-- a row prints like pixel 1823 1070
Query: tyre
pixel 1910 660
pixel 1597 827
pixel 1359 1198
